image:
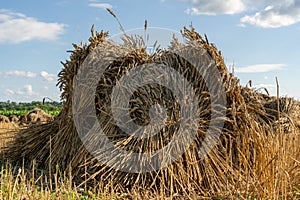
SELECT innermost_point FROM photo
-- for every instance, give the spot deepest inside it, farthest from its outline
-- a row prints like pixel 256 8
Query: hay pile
pixel 248 115
pixel 4 119
pixel 36 116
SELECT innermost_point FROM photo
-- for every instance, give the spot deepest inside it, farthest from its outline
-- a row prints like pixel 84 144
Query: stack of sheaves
pixel 250 117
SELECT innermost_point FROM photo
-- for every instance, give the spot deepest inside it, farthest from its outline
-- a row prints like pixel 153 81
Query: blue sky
pixel 260 38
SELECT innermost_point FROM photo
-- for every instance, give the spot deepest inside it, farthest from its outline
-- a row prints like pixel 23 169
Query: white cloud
pixel 216 7
pixel 16 73
pixel 285 13
pixel 261 13
pixel 101 5
pixel 17 27
pixel 271 88
pixel 26 91
pixel 48 77
pixel 263 85
pixel 260 68
pixel 9 92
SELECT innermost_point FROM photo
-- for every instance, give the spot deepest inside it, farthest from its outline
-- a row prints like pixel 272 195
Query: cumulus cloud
pixel 48 77
pixel 274 16
pixel 260 68
pixel 17 27
pixel 101 5
pixel 216 7
pixel 26 90
pixel 260 13
pixel 17 73
pixel 35 91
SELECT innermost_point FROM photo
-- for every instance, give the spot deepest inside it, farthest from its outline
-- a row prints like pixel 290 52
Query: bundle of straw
pixel 249 115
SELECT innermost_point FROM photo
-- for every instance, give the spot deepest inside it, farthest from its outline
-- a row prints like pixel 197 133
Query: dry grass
pixel 275 174
pixel 26 184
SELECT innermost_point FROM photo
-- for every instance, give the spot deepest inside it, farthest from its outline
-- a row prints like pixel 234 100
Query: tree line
pixel 20 106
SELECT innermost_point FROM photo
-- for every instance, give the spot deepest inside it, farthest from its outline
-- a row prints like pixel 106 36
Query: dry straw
pixel 247 161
